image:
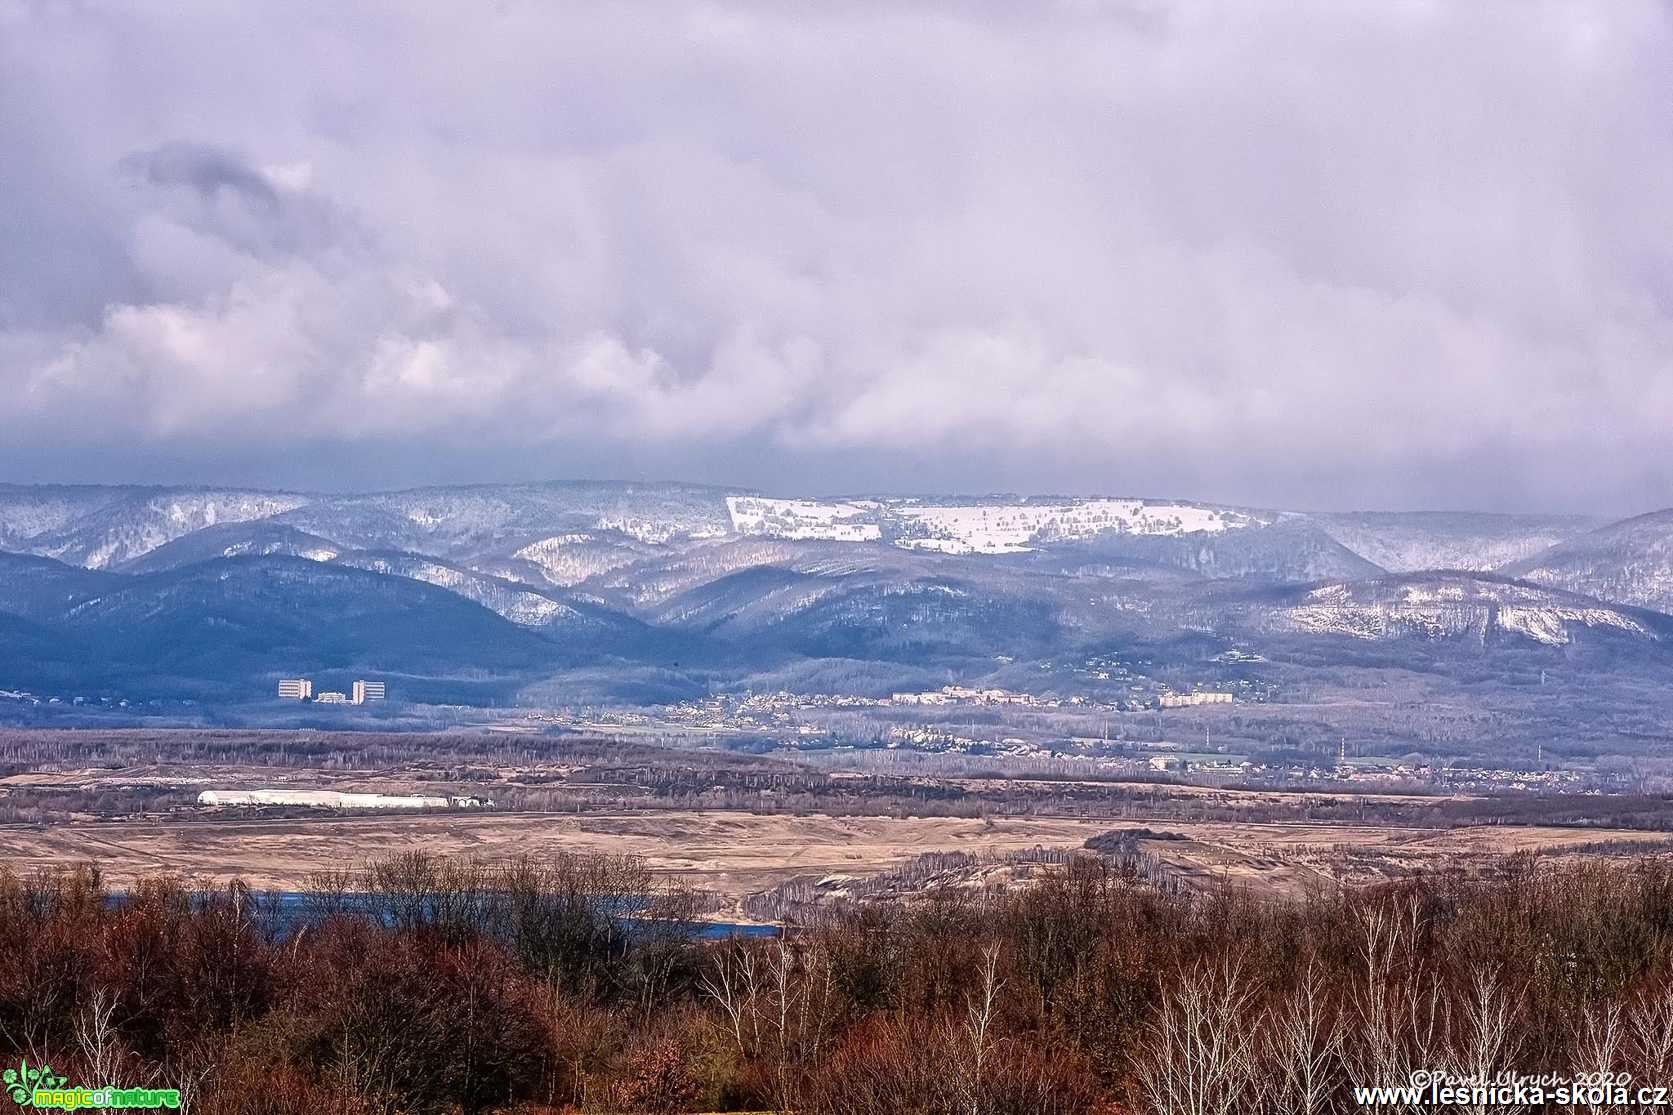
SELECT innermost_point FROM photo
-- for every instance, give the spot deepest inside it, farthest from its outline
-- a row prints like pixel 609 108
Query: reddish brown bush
pixel 658 1079
pixel 513 992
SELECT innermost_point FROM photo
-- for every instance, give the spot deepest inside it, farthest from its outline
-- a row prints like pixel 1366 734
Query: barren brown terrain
pixel 738 827
pixel 734 854
pixel 728 853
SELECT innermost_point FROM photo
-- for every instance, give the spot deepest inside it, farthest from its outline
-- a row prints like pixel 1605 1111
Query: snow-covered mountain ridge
pixel 659 588
pixel 622 541
pixel 1453 605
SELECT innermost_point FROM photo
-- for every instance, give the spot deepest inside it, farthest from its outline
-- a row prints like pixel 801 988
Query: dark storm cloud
pixel 1307 253
pixel 206 169
pixel 229 199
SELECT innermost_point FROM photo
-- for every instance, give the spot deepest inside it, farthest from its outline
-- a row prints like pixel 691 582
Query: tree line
pixel 581 984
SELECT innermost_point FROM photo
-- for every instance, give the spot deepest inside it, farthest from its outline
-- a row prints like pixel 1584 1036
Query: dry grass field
pixel 733 854
pixel 729 853
pixel 130 805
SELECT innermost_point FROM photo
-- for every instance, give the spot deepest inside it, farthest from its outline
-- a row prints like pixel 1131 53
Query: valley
pixel 767 835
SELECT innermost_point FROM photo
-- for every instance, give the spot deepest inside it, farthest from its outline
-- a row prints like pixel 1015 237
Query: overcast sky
pixel 1333 254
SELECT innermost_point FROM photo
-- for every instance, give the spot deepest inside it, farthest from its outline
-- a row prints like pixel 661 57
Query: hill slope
pixel 1408 542
pixel 237 621
pixel 251 538
pixel 1458 605
pixel 1630 562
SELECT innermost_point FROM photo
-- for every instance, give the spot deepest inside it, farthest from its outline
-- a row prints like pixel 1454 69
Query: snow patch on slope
pixel 565 560
pixel 530 609
pixel 160 521
pixel 312 553
pixel 1447 608
pixel 658 531
pixel 802 519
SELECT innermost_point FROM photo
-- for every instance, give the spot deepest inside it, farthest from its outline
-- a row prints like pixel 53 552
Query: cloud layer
pixel 1392 253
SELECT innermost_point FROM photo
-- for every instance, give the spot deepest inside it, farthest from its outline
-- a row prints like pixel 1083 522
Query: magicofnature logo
pixel 37 1086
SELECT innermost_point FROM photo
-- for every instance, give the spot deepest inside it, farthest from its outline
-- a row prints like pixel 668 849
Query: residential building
pixel 367 691
pixel 1188 700
pixel 296 689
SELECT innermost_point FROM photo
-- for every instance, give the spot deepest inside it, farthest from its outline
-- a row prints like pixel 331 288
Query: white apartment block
pixel 367 691
pixel 296 689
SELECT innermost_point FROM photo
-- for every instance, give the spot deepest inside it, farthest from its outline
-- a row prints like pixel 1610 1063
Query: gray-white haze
pixel 1329 254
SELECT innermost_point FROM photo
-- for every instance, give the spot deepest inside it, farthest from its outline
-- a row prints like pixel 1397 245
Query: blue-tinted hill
pixel 44 589
pixel 229 626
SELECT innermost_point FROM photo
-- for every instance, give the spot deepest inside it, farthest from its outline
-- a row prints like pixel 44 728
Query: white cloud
pixel 1310 242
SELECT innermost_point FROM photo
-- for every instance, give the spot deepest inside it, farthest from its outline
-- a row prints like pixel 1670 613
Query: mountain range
pixel 476 593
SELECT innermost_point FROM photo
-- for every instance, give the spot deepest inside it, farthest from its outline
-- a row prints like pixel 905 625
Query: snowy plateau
pixel 984 527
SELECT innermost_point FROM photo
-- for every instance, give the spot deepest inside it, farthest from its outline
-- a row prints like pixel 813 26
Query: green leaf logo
pixel 17 1084
pixel 20 1083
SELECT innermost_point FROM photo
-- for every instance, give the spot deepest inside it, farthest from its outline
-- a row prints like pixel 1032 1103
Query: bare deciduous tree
pixel 1302 1053
pixel 1485 1043
pixel 96 1039
pixel 981 1006
pixel 1199 1055
pixel 730 980
pixel 1650 1029
pixel 1397 1008
pixel 1600 1047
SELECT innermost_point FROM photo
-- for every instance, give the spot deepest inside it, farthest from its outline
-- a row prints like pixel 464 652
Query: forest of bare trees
pixel 423 985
